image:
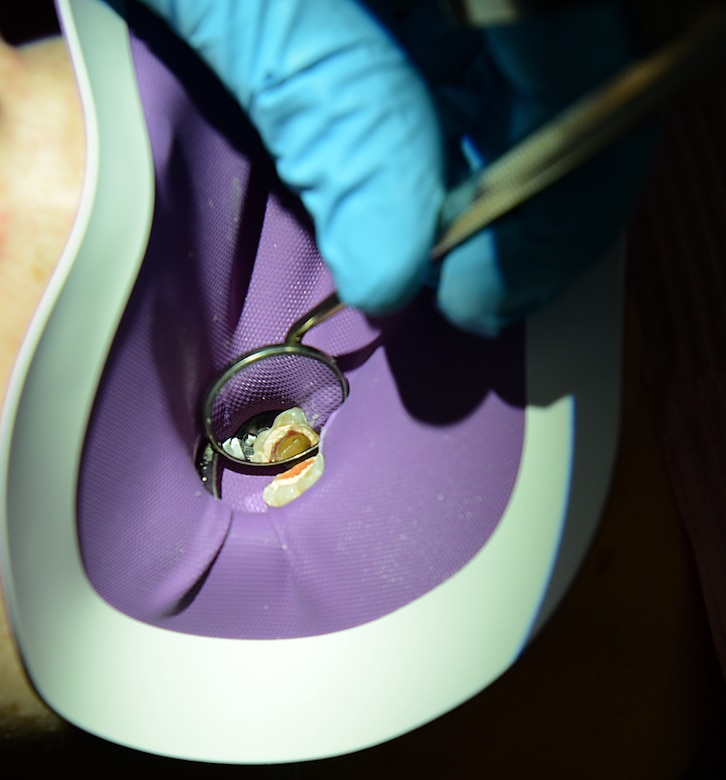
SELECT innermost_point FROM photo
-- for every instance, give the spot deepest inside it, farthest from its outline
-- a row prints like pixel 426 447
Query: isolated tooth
pixel 290 435
pixel 291 484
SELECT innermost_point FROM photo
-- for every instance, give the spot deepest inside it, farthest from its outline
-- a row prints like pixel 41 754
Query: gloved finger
pixel 348 121
pixel 470 288
pixel 530 256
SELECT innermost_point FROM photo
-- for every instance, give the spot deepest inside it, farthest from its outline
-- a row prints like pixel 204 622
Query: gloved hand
pixel 349 122
pixel 492 88
pixel 352 129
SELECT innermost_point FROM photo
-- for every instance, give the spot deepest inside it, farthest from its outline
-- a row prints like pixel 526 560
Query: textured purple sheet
pixel 420 461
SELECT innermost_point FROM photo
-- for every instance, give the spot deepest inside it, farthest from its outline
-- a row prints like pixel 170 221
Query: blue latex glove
pixel 352 130
pixel 349 122
pixel 495 86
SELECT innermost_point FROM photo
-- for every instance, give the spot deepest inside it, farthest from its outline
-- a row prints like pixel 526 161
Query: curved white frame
pixel 280 700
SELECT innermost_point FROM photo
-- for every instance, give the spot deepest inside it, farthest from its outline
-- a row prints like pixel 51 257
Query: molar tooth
pixel 290 424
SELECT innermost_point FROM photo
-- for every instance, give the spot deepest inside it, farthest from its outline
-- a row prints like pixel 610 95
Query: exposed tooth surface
pixel 285 439
pixel 233 447
pixel 291 484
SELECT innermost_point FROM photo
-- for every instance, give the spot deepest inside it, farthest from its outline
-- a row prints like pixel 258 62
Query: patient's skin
pixel 622 682
pixel 41 170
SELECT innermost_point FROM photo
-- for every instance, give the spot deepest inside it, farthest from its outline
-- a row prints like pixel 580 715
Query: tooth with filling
pixel 289 436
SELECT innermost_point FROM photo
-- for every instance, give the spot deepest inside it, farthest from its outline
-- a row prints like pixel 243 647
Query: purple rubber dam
pixel 421 459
